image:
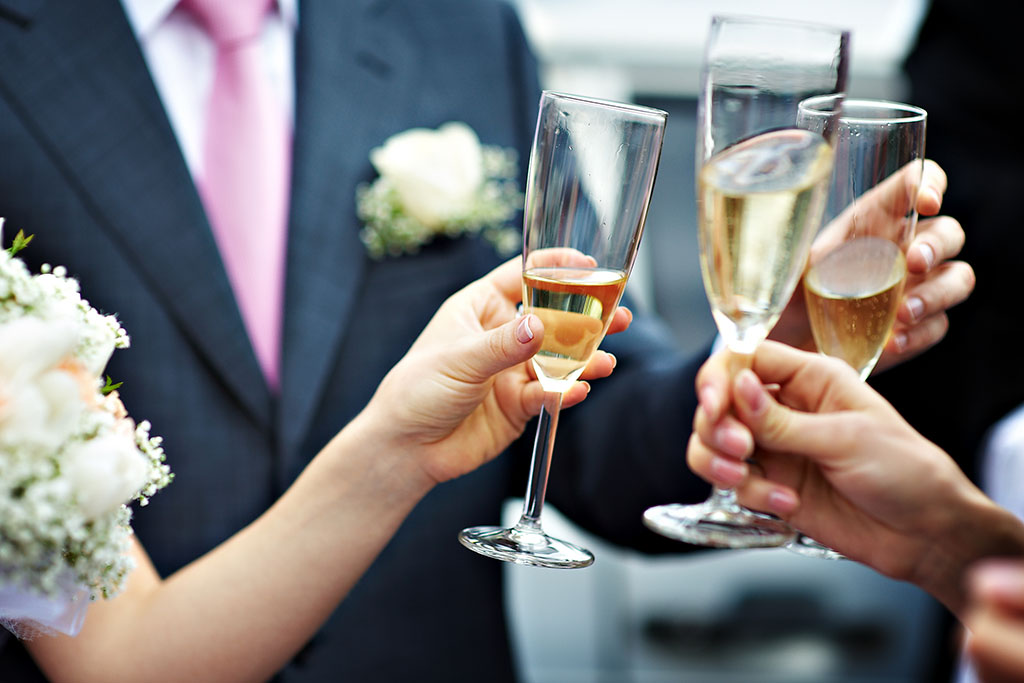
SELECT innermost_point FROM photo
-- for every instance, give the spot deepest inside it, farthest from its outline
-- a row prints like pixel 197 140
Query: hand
pixel 835 460
pixel 464 392
pixel 995 620
pixel 935 282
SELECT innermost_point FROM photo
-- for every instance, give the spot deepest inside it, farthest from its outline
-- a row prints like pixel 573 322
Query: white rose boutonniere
pixel 438 182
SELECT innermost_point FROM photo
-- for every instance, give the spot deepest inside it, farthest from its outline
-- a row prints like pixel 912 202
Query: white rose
pixel 104 472
pixel 39 403
pixel 437 173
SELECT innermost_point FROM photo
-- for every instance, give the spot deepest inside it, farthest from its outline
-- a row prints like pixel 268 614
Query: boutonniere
pixel 439 182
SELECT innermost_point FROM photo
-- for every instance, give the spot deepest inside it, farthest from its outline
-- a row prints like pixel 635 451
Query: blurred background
pixel 734 616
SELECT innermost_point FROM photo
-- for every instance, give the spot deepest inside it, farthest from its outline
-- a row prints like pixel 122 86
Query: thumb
pixel 488 353
pixel 775 426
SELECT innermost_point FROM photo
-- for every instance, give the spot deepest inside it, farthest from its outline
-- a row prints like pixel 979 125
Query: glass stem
pixel 540 463
pixel 723 499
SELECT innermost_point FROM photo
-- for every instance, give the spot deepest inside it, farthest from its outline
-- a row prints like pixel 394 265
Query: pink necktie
pixel 244 183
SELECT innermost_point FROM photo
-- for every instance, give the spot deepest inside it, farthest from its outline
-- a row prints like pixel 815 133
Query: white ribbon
pixel 27 614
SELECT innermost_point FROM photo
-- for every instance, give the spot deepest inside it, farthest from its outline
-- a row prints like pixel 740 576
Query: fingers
pixel 996 619
pixel 922 321
pixel 713 385
pixel 933 187
pixel 508 279
pixel 994 646
pixel 745 476
pixel 485 354
pixel 575 394
pixel 908 341
pixel 946 286
pixel 715 468
pixel 999 583
pixel 776 427
pixel 937 240
pixel 601 365
pixel 621 320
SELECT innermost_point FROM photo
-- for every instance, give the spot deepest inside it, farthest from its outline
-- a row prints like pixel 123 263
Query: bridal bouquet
pixel 70 457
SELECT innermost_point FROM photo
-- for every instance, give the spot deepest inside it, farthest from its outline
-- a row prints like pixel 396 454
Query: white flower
pixel 438 182
pixel 70 458
pixel 105 472
pixel 40 403
pixel 436 173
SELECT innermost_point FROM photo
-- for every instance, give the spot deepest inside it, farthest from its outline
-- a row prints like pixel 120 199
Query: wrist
pixel 371 449
pixel 973 528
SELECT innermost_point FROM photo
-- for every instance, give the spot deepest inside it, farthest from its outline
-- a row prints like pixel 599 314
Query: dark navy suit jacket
pixel 90 166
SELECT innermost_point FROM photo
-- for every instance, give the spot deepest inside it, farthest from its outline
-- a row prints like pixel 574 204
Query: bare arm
pixel 460 395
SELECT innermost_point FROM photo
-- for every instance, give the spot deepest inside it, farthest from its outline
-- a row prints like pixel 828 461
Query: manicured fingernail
pixel 523 332
pixel 782 502
pixel 928 253
pixel 729 472
pixel 915 306
pixel 750 391
pixel 900 341
pixel 615 361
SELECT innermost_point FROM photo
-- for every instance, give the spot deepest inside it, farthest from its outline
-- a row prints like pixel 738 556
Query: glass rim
pixel 639 109
pixel 899 112
pixel 718 19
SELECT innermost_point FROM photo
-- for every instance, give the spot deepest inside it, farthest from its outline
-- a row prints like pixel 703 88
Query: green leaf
pixel 110 386
pixel 20 242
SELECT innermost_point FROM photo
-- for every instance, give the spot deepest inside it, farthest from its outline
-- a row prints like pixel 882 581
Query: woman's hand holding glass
pixel 800 436
pixel 466 389
pixel 592 171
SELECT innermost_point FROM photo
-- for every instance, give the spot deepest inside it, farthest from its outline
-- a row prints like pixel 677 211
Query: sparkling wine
pixel 761 202
pixel 852 295
pixel 575 305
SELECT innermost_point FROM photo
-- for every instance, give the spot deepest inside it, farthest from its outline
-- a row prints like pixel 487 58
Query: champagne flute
pixel 762 184
pixel 857 269
pixel 592 170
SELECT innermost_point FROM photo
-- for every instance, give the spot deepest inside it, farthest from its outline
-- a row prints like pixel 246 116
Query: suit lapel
pixel 349 67
pixel 77 76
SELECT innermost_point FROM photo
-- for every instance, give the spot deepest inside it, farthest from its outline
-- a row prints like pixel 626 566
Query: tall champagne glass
pixel 762 184
pixel 857 268
pixel 591 174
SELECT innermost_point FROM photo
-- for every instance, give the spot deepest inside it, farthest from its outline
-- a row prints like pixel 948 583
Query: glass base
pixel 713 526
pixel 525 546
pixel 808 547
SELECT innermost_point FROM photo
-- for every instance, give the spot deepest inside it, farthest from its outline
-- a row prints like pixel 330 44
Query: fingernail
pixel 523 332
pixel 728 471
pixel 782 502
pixel 900 340
pixel 915 306
pixel 928 253
pixel 615 361
pixel 750 391
pixel 934 194
pixel 709 399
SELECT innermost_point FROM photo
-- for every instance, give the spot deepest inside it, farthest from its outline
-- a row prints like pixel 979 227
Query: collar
pixel 146 15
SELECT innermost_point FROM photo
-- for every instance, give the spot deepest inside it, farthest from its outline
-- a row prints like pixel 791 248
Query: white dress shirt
pixel 181 59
